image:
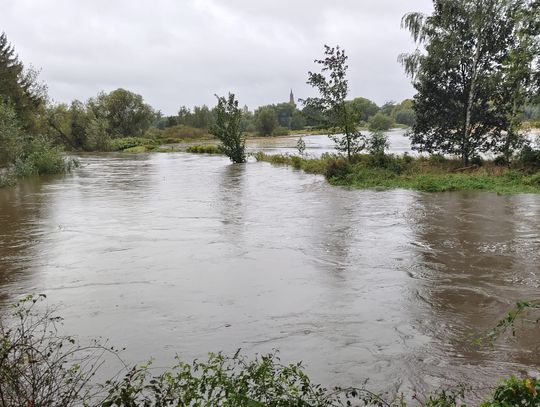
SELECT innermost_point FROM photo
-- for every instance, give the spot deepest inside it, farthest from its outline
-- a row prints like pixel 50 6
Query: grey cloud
pixel 183 52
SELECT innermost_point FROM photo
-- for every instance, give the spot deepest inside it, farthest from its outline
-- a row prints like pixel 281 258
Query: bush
pixel 41 158
pixel 533 180
pixel 7 179
pixel 380 122
pixel 438 158
pixel 10 135
pixel 378 143
pixel 204 149
pixel 121 144
pixel 530 157
pixel 280 131
pixel 182 131
pixel 477 160
pixel 516 392
pixel 500 161
pixel 338 168
pixel 40 367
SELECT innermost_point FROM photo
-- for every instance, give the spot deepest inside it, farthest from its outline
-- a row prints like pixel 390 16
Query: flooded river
pixel 177 253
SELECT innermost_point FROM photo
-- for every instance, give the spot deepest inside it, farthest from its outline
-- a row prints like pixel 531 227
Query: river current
pixel 184 254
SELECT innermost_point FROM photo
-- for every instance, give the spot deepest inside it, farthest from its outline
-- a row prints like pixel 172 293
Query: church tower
pixel 291 99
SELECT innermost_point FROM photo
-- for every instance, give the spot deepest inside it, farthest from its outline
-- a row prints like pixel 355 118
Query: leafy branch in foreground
pixel 41 367
pixel 521 310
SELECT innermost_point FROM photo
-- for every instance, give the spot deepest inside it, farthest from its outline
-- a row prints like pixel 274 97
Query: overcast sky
pixel 182 52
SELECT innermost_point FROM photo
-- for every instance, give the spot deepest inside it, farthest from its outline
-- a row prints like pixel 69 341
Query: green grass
pixel 433 174
pixel 204 149
pixel 132 144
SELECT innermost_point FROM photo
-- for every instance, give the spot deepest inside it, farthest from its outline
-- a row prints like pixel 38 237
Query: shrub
pixel 533 180
pixel 296 162
pixel 40 367
pixel 500 161
pixel 438 158
pixel 530 157
pixel 337 168
pixel 41 158
pixel 477 160
pixel 7 179
pixel 182 131
pixel 516 392
pixel 121 144
pixel 10 135
pixel 280 131
pixel 204 149
pixel 380 122
pixel 407 158
pixel 228 129
pixel 378 143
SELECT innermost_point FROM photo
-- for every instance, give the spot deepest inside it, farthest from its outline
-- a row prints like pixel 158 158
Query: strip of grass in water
pixel 204 149
pixel 430 174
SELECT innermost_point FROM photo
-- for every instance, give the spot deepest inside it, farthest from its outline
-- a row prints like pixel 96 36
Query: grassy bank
pixel 430 174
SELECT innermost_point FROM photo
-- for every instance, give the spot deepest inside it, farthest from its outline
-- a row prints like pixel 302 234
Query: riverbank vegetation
pixel 431 174
pixel 479 71
pixel 25 149
pixel 41 367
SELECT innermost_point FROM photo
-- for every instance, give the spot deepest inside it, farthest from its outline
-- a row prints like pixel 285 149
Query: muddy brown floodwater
pixel 177 253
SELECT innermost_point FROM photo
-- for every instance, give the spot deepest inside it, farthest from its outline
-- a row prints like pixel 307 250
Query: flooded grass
pixel 204 149
pixel 429 174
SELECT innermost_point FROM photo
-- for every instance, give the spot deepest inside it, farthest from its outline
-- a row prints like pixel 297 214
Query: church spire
pixel 291 98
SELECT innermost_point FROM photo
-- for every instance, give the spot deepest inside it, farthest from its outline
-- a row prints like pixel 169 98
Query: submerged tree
pixel 335 114
pixel 462 105
pixel 228 128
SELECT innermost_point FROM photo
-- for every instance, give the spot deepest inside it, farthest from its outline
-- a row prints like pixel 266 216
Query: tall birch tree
pixel 462 72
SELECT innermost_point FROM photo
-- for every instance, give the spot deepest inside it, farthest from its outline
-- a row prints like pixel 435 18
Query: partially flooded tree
pixel 463 77
pixel 335 114
pixel 228 128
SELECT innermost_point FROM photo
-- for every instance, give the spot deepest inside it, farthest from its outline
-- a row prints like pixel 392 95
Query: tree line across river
pixel 477 80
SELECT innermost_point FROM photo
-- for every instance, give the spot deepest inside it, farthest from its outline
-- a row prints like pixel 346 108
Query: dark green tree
pixel 284 113
pixel 336 114
pixel 10 135
pixel 202 117
pixel 298 120
pixel 19 87
pixel 460 104
pixel 125 112
pixel 228 128
pixel 518 84
pixel 388 108
pixel 363 108
pixel 380 122
pixel 266 120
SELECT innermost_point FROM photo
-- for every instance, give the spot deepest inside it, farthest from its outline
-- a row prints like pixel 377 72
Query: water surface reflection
pixel 177 253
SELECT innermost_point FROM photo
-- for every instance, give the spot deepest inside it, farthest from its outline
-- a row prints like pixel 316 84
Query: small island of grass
pixel 431 174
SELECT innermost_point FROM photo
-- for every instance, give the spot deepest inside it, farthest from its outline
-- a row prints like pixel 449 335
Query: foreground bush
pixel 40 367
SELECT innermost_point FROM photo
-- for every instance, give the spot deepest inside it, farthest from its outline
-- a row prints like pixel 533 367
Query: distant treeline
pixel 279 119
